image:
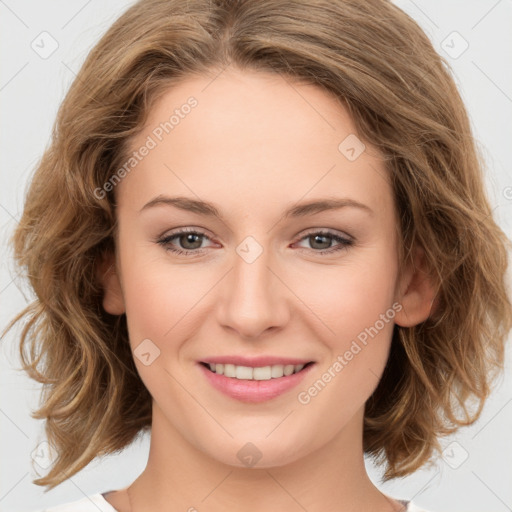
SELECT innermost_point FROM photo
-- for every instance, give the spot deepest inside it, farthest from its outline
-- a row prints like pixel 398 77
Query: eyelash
pixel 344 243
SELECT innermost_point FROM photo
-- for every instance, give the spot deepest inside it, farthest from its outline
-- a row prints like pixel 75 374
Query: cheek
pixel 352 296
pixel 156 293
pixel 160 299
pixel 356 353
pixel 356 308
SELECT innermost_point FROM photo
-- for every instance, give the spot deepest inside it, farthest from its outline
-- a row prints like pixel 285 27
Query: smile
pixel 253 384
pixel 255 373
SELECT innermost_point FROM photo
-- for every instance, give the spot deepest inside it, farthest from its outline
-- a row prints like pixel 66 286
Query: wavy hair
pixel 403 100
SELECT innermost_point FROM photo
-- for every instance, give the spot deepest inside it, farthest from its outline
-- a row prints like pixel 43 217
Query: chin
pixel 257 452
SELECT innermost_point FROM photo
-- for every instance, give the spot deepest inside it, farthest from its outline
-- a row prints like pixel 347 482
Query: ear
pixel 417 293
pixel 106 272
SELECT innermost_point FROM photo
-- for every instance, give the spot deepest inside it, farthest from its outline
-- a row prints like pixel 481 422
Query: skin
pixel 255 145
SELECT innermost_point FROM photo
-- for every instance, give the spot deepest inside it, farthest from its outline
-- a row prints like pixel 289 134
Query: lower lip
pixel 254 391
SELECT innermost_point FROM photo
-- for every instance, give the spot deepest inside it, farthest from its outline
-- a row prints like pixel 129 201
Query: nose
pixel 255 298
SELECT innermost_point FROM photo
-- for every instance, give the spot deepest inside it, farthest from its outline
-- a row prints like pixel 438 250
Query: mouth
pixel 254 384
pixel 257 373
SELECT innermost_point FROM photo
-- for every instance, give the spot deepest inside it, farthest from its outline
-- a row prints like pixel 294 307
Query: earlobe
pixel 417 293
pixel 113 300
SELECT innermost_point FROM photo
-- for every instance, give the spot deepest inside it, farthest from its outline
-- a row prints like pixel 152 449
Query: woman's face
pixel 267 279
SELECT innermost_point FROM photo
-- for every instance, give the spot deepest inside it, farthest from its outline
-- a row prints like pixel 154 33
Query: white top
pixel 97 503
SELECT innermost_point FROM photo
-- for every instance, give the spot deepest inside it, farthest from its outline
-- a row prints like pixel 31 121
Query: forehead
pixel 244 137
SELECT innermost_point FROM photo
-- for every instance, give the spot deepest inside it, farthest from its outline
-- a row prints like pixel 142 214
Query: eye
pixel 189 239
pixel 322 240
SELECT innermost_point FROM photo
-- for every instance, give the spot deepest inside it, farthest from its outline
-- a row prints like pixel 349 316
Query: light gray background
pixel 32 87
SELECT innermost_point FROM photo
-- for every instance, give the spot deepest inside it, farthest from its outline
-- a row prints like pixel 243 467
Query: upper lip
pixel 255 361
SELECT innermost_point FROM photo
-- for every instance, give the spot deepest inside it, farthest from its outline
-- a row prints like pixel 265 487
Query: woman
pixel 261 233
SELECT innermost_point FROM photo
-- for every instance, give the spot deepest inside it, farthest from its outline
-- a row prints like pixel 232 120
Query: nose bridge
pixel 254 299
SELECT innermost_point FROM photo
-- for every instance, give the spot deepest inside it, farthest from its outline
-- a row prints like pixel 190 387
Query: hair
pixel 403 100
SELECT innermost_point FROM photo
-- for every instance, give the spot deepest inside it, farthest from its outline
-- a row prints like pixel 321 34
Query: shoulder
pixel 411 507
pixel 93 503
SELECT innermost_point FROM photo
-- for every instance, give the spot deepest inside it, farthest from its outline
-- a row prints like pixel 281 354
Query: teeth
pixel 243 372
pixel 288 369
pixel 258 373
pixel 228 371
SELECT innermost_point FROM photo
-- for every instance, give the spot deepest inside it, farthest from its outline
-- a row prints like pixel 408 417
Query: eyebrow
pixel 300 210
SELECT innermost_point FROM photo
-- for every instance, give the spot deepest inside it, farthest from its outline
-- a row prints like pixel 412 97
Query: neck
pixel 180 476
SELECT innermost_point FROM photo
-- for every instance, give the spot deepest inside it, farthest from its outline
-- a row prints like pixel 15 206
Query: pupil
pixel 190 238
pixel 317 237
